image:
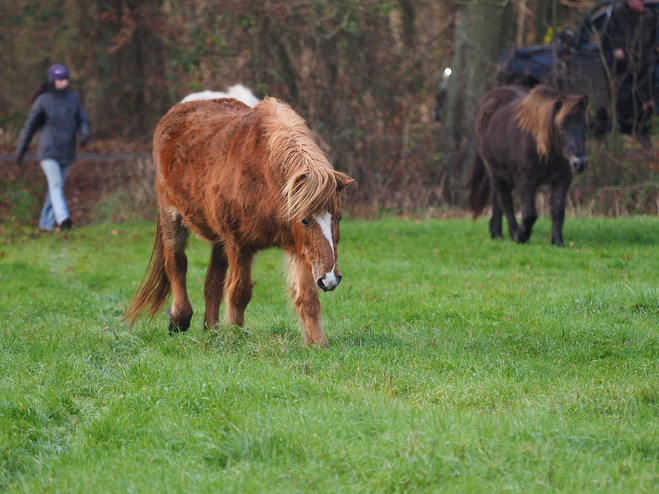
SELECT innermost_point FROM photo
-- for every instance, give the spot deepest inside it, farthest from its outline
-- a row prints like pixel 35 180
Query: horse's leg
pixel 558 193
pixel 176 266
pixel 214 284
pixel 305 299
pixel 495 220
pixel 505 197
pixel 529 213
pixel 239 287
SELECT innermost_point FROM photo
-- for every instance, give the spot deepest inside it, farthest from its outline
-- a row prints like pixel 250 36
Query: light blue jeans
pixel 55 208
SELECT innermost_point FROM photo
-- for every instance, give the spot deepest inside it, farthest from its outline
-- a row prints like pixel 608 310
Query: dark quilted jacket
pixel 633 32
pixel 56 115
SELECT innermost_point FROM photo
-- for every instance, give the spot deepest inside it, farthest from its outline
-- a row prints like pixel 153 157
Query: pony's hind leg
pixel 305 300
pixel 175 237
pixel 495 220
pixel 240 286
pixel 214 285
pixel 505 197
pixel 529 213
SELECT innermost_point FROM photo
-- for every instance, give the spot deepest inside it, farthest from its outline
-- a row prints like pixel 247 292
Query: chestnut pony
pixel 525 138
pixel 244 180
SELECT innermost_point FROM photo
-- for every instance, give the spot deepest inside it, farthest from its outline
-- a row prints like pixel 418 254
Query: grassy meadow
pixel 456 364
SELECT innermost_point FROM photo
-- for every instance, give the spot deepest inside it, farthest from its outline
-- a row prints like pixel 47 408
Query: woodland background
pixel 364 74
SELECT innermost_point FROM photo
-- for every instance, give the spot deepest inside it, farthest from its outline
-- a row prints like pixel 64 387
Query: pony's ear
pixel 342 181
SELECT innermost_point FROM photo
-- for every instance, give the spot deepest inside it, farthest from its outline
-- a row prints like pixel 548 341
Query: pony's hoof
pixel 320 343
pixel 211 326
pixel 521 238
pixel 177 327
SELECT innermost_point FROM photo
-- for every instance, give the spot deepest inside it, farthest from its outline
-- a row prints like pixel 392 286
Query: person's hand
pixel 619 53
pixel 83 141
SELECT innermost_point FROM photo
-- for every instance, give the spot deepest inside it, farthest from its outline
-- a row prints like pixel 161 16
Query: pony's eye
pixel 305 222
pixel 340 218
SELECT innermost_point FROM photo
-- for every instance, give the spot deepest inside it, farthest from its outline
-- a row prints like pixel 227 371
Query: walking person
pixel 57 115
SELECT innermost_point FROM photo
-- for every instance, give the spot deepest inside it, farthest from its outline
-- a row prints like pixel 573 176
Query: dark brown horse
pixel 244 180
pixel 526 138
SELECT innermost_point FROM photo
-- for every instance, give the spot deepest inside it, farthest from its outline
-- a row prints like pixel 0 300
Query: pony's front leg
pixel 558 195
pixel 214 284
pixel 240 286
pixel 305 299
pixel 176 267
pixel 529 213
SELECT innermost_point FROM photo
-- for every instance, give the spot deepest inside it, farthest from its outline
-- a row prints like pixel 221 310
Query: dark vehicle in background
pixel 575 63
pixel 570 62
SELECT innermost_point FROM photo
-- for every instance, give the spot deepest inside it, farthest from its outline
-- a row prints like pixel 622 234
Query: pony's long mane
pixel 537 115
pixel 310 183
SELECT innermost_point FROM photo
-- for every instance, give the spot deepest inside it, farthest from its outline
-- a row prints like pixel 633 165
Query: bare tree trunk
pixel 541 21
pixel 482 31
pixel 521 17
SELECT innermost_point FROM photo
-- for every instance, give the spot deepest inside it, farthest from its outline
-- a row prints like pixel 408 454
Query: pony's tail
pixel 479 187
pixel 154 288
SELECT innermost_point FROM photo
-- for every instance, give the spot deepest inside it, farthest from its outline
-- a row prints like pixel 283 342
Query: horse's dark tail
pixel 479 187
pixel 154 288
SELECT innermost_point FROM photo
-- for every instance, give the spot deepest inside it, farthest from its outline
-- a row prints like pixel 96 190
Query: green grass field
pixel 456 364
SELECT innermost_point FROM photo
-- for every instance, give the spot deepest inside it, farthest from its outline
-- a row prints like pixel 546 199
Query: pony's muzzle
pixel 329 282
pixel 580 164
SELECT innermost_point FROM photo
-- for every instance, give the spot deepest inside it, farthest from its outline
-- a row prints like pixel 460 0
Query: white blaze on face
pixel 325 223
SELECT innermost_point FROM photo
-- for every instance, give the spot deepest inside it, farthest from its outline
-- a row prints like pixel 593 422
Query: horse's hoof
pixel 211 326
pixel 178 327
pixel 319 343
pixel 521 238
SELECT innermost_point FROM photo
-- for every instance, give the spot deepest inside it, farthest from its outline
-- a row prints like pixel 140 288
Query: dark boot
pixel 65 225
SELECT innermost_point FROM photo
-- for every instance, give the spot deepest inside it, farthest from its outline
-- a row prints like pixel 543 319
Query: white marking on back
pixel 238 91
pixel 241 93
pixel 204 95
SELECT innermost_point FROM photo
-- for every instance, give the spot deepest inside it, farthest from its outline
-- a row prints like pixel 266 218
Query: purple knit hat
pixel 57 71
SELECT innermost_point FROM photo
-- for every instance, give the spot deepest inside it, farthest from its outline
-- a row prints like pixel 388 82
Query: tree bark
pixel 483 30
pixel 541 21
